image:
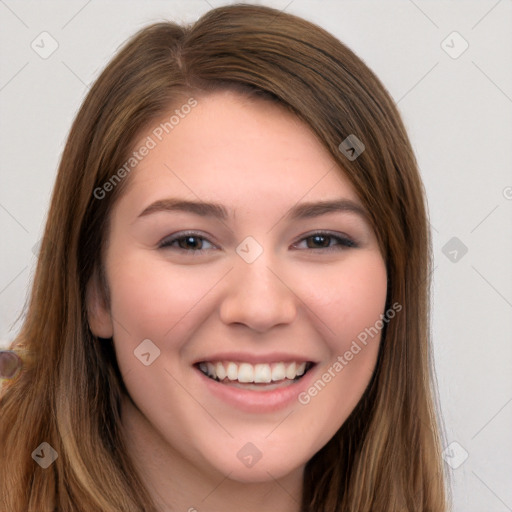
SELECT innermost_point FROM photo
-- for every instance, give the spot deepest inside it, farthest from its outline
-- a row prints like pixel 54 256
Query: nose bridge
pixel 256 295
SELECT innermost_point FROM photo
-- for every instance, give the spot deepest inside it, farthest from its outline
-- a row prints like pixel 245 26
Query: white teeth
pixel 220 371
pixel 245 373
pixel 291 371
pixel 262 373
pixel 258 373
pixel 232 371
pixel 211 369
pixel 278 372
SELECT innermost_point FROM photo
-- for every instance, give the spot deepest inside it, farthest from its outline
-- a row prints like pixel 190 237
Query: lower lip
pixel 258 401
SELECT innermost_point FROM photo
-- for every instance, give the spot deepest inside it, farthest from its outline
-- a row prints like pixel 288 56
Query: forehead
pixel 234 149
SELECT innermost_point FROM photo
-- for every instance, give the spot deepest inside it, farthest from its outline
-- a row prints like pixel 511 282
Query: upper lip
pixel 275 357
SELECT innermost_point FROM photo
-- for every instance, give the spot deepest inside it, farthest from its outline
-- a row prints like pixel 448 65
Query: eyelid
pixel 168 240
pixel 347 242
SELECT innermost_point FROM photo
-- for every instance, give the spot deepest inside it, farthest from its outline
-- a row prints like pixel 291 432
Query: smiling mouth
pixel 254 376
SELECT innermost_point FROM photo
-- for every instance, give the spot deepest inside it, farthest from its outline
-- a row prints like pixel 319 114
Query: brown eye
pixel 323 241
pixel 188 242
pixel 319 241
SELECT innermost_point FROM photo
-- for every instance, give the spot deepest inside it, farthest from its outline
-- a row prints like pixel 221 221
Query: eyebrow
pixel 305 210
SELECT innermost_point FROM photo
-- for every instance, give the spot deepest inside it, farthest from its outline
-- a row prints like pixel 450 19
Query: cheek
pixel 150 297
pixel 349 302
pixel 346 298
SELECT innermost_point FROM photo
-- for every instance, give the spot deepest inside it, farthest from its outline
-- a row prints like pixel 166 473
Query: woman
pixel 230 308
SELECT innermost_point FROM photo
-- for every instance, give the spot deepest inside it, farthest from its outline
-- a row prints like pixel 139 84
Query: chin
pixel 250 465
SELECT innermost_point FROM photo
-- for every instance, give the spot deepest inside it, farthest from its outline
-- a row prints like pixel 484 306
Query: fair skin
pixel 303 298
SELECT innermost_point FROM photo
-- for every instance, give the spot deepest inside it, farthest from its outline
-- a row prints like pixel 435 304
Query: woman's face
pixel 255 290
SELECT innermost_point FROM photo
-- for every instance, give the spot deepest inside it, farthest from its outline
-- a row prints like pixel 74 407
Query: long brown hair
pixel 386 456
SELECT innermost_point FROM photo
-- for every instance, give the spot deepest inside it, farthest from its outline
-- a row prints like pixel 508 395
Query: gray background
pixel 458 114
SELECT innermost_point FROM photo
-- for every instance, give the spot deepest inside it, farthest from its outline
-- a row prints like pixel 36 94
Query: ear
pixel 98 313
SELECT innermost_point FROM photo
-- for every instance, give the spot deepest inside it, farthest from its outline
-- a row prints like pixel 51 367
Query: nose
pixel 258 296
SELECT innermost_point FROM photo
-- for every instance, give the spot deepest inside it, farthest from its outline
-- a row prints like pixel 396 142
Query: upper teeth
pixel 246 372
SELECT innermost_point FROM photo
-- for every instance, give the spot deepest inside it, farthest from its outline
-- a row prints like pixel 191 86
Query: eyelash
pixel 344 242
